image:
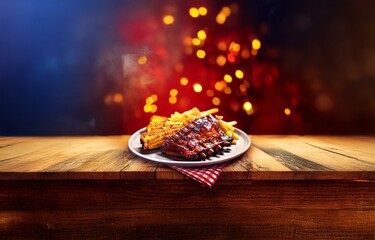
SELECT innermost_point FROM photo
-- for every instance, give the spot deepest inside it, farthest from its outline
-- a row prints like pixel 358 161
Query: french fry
pixel 210 111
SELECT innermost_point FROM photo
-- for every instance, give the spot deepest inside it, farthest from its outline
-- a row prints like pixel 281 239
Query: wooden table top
pixel 108 157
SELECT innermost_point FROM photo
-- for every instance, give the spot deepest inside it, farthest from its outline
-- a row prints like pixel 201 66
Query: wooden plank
pixel 358 148
pixel 10 141
pixel 138 169
pixel 60 154
pixel 26 146
pixel 257 160
pixel 331 161
pixel 120 194
pixel 164 173
pixel 234 170
pixel 173 223
pixel 170 209
pixel 270 157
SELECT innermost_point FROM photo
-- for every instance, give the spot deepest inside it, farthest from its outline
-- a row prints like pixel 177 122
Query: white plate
pixel 229 153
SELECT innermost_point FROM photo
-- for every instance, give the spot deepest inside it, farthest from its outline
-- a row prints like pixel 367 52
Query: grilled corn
pixel 154 138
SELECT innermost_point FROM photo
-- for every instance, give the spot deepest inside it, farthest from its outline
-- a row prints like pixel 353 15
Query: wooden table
pixel 284 187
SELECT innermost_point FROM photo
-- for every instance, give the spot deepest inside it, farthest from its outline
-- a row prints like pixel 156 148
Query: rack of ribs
pixel 197 141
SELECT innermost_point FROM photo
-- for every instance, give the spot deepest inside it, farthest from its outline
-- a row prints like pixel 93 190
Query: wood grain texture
pixel 283 187
pixel 269 158
pixel 117 209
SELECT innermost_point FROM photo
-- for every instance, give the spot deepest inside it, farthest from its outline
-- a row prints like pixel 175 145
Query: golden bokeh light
pixel 222 46
pixel 287 111
pixel 168 19
pixel 243 88
pixel 239 74
pixel 202 35
pixel 147 108
pixel 248 107
pixel 228 78
pixel 256 44
pixel 154 97
pixel 220 85
pixel 173 92
pixel 233 46
pixel 149 101
pixel 172 100
pixel 216 101
pixel 153 108
pixel 221 18
pixel 202 11
pixel 118 98
pixel 254 52
pixel 184 81
pixel 227 90
pixel 197 87
pixel 210 93
pixel 142 60
pixel 196 41
pixel 221 60
pixel 226 11
pixel 194 12
pixel 201 54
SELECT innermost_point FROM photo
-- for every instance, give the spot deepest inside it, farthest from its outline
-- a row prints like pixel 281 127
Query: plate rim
pixel 172 162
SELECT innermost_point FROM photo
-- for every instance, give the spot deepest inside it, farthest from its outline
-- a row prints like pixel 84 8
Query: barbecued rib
pixel 200 139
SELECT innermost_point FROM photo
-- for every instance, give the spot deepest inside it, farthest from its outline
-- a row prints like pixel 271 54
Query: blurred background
pixel 94 67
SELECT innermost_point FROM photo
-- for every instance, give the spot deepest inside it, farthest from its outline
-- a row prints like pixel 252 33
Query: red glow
pixel 231 58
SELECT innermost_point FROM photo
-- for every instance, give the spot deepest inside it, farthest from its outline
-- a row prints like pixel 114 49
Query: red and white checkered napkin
pixel 205 175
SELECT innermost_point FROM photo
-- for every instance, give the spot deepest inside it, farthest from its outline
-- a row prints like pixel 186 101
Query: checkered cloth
pixel 207 176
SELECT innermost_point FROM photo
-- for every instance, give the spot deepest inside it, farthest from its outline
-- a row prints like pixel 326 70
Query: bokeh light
pixel 201 54
pixel 248 107
pixel 168 19
pixel 287 111
pixel 228 78
pixel 118 98
pixel 227 90
pixel 256 44
pixel 172 99
pixel 239 74
pixel 226 11
pixel 221 60
pixel 196 41
pixel 173 92
pixel 216 101
pixel 194 12
pixel 221 18
pixel 184 81
pixel 222 46
pixel 202 11
pixel 210 93
pixel 202 35
pixel 220 85
pixel 142 60
pixel 197 87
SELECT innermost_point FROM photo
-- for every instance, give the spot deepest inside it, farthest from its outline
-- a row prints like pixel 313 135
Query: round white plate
pixel 229 153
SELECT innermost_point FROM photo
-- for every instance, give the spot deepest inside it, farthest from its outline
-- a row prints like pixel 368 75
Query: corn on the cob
pixel 154 138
